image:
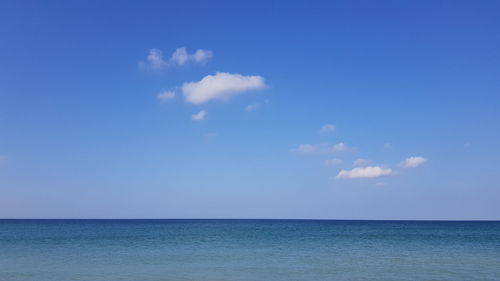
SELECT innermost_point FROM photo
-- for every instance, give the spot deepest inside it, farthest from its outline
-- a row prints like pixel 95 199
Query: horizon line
pixel 269 219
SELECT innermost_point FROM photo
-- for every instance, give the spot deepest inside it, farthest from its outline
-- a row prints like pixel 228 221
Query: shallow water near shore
pixel 248 250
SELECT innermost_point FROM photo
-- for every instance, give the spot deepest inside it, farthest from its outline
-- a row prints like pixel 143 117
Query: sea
pixel 243 250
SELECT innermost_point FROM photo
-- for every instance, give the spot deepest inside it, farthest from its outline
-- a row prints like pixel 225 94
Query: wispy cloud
pixel 166 96
pixel 252 107
pixel 328 128
pixel 387 147
pixel 361 162
pixel 339 147
pixel 412 162
pixel 155 60
pixel 210 137
pixel 321 148
pixel 221 86
pixel 333 162
pixel 364 172
pixel 199 116
pixel 305 148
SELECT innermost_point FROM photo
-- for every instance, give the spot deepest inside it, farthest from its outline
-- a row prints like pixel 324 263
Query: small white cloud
pixel 154 60
pixel 180 56
pixel 364 172
pixel 252 107
pixel 387 147
pixel 305 148
pixel 361 162
pixel 333 162
pixel 199 116
pixel 339 147
pixel 202 55
pixel 166 96
pixel 328 128
pixel 381 183
pixel 221 86
pixel 412 162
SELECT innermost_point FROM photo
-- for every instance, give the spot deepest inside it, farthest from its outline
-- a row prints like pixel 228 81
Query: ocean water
pixel 248 250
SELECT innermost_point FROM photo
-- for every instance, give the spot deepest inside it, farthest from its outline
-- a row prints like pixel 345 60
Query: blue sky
pixel 212 109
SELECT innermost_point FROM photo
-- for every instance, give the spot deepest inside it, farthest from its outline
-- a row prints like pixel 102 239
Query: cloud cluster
pixel 221 86
pixel 363 167
pixel 377 171
pixel 412 162
pixel 155 60
pixel 364 172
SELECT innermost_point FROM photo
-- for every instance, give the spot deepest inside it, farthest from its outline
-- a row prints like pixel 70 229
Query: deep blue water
pixel 248 250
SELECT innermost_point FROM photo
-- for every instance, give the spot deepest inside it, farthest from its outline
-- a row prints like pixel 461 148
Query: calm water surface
pixel 248 250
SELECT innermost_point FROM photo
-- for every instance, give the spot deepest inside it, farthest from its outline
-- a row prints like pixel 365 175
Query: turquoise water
pixel 248 250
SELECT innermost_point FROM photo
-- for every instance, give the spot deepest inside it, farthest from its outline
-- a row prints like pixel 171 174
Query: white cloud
pixel 328 128
pixel 339 147
pixel 387 147
pixel 166 96
pixel 221 86
pixel 364 172
pixel 180 56
pixel 381 183
pixel 305 148
pixel 199 116
pixel 252 107
pixel 412 162
pixel 333 162
pixel 361 162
